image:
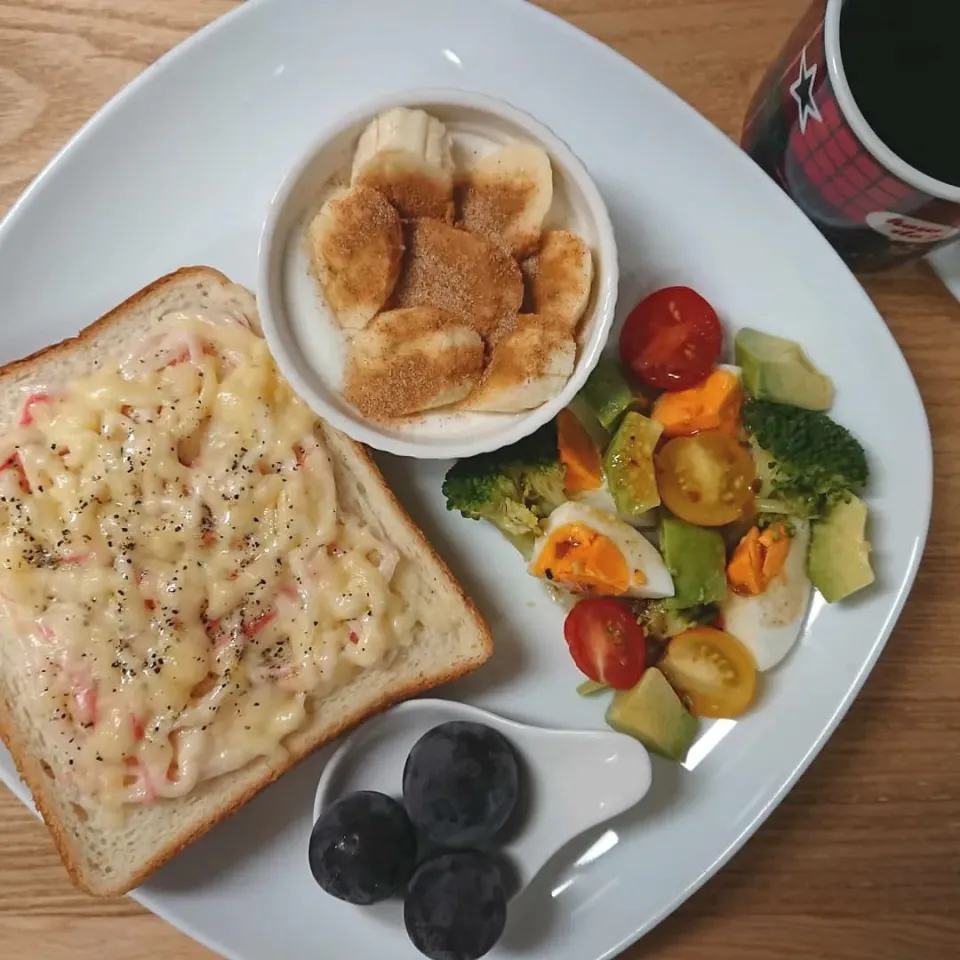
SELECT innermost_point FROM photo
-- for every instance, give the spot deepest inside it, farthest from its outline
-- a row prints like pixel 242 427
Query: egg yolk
pixel 759 557
pixel 582 560
pixel 711 405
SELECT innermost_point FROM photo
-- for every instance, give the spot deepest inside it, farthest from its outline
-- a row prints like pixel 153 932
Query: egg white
pixel 602 499
pixel 770 624
pixel 637 551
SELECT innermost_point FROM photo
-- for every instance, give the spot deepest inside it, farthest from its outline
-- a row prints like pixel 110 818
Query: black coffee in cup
pixel 857 121
pixel 902 61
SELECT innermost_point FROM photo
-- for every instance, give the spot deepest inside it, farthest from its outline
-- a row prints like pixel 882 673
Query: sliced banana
pixel 529 365
pixel 559 277
pixel 412 360
pixel 507 195
pixel 405 154
pixel 453 270
pixel 356 248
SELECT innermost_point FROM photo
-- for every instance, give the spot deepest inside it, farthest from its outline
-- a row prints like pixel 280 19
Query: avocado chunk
pixel 839 559
pixel 589 687
pixel 608 393
pixel 628 465
pixel 696 558
pixel 653 714
pixel 773 368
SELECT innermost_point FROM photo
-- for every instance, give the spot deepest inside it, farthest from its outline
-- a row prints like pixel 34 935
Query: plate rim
pixel 775 196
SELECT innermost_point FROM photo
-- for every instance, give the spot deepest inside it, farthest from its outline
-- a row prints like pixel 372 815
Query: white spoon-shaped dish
pixel 571 780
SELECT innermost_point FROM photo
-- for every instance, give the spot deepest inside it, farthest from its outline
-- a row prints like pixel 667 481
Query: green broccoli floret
pixel 812 462
pixel 661 620
pixel 535 463
pixel 514 487
pixel 490 496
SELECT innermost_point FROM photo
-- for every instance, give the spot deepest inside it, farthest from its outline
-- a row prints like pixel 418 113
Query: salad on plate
pixel 683 510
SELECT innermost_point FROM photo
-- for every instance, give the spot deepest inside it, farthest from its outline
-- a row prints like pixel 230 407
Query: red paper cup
pixel 805 130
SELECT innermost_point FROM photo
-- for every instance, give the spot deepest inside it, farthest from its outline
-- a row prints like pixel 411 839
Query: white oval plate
pixel 180 168
pixel 946 261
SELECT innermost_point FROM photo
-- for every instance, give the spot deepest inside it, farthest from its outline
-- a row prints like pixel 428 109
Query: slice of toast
pixel 108 858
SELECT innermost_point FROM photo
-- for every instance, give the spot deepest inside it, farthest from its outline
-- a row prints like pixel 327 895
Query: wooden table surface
pixel 862 860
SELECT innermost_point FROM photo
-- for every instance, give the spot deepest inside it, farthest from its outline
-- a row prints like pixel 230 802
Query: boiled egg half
pixel 602 499
pixel 769 624
pixel 586 550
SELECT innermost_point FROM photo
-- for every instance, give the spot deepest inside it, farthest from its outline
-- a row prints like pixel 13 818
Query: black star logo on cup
pixel 802 91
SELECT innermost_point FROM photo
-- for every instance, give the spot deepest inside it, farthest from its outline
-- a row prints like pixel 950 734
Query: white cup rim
pixel 880 151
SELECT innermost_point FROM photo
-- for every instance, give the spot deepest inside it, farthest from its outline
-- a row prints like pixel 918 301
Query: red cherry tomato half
pixel 672 339
pixel 606 642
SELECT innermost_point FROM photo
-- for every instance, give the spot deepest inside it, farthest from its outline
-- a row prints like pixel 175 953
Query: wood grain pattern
pixel 863 858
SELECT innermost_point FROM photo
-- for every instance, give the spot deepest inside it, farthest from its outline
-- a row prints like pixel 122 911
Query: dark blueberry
pixel 363 848
pixel 460 784
pixel 456 906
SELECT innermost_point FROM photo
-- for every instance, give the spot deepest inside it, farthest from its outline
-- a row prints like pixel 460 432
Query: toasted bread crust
pixel 359 462
pixel 93 330
pixel 32 774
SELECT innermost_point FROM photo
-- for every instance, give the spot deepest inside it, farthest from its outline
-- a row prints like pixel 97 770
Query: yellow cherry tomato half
pixel 712 670
pixel 706 479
